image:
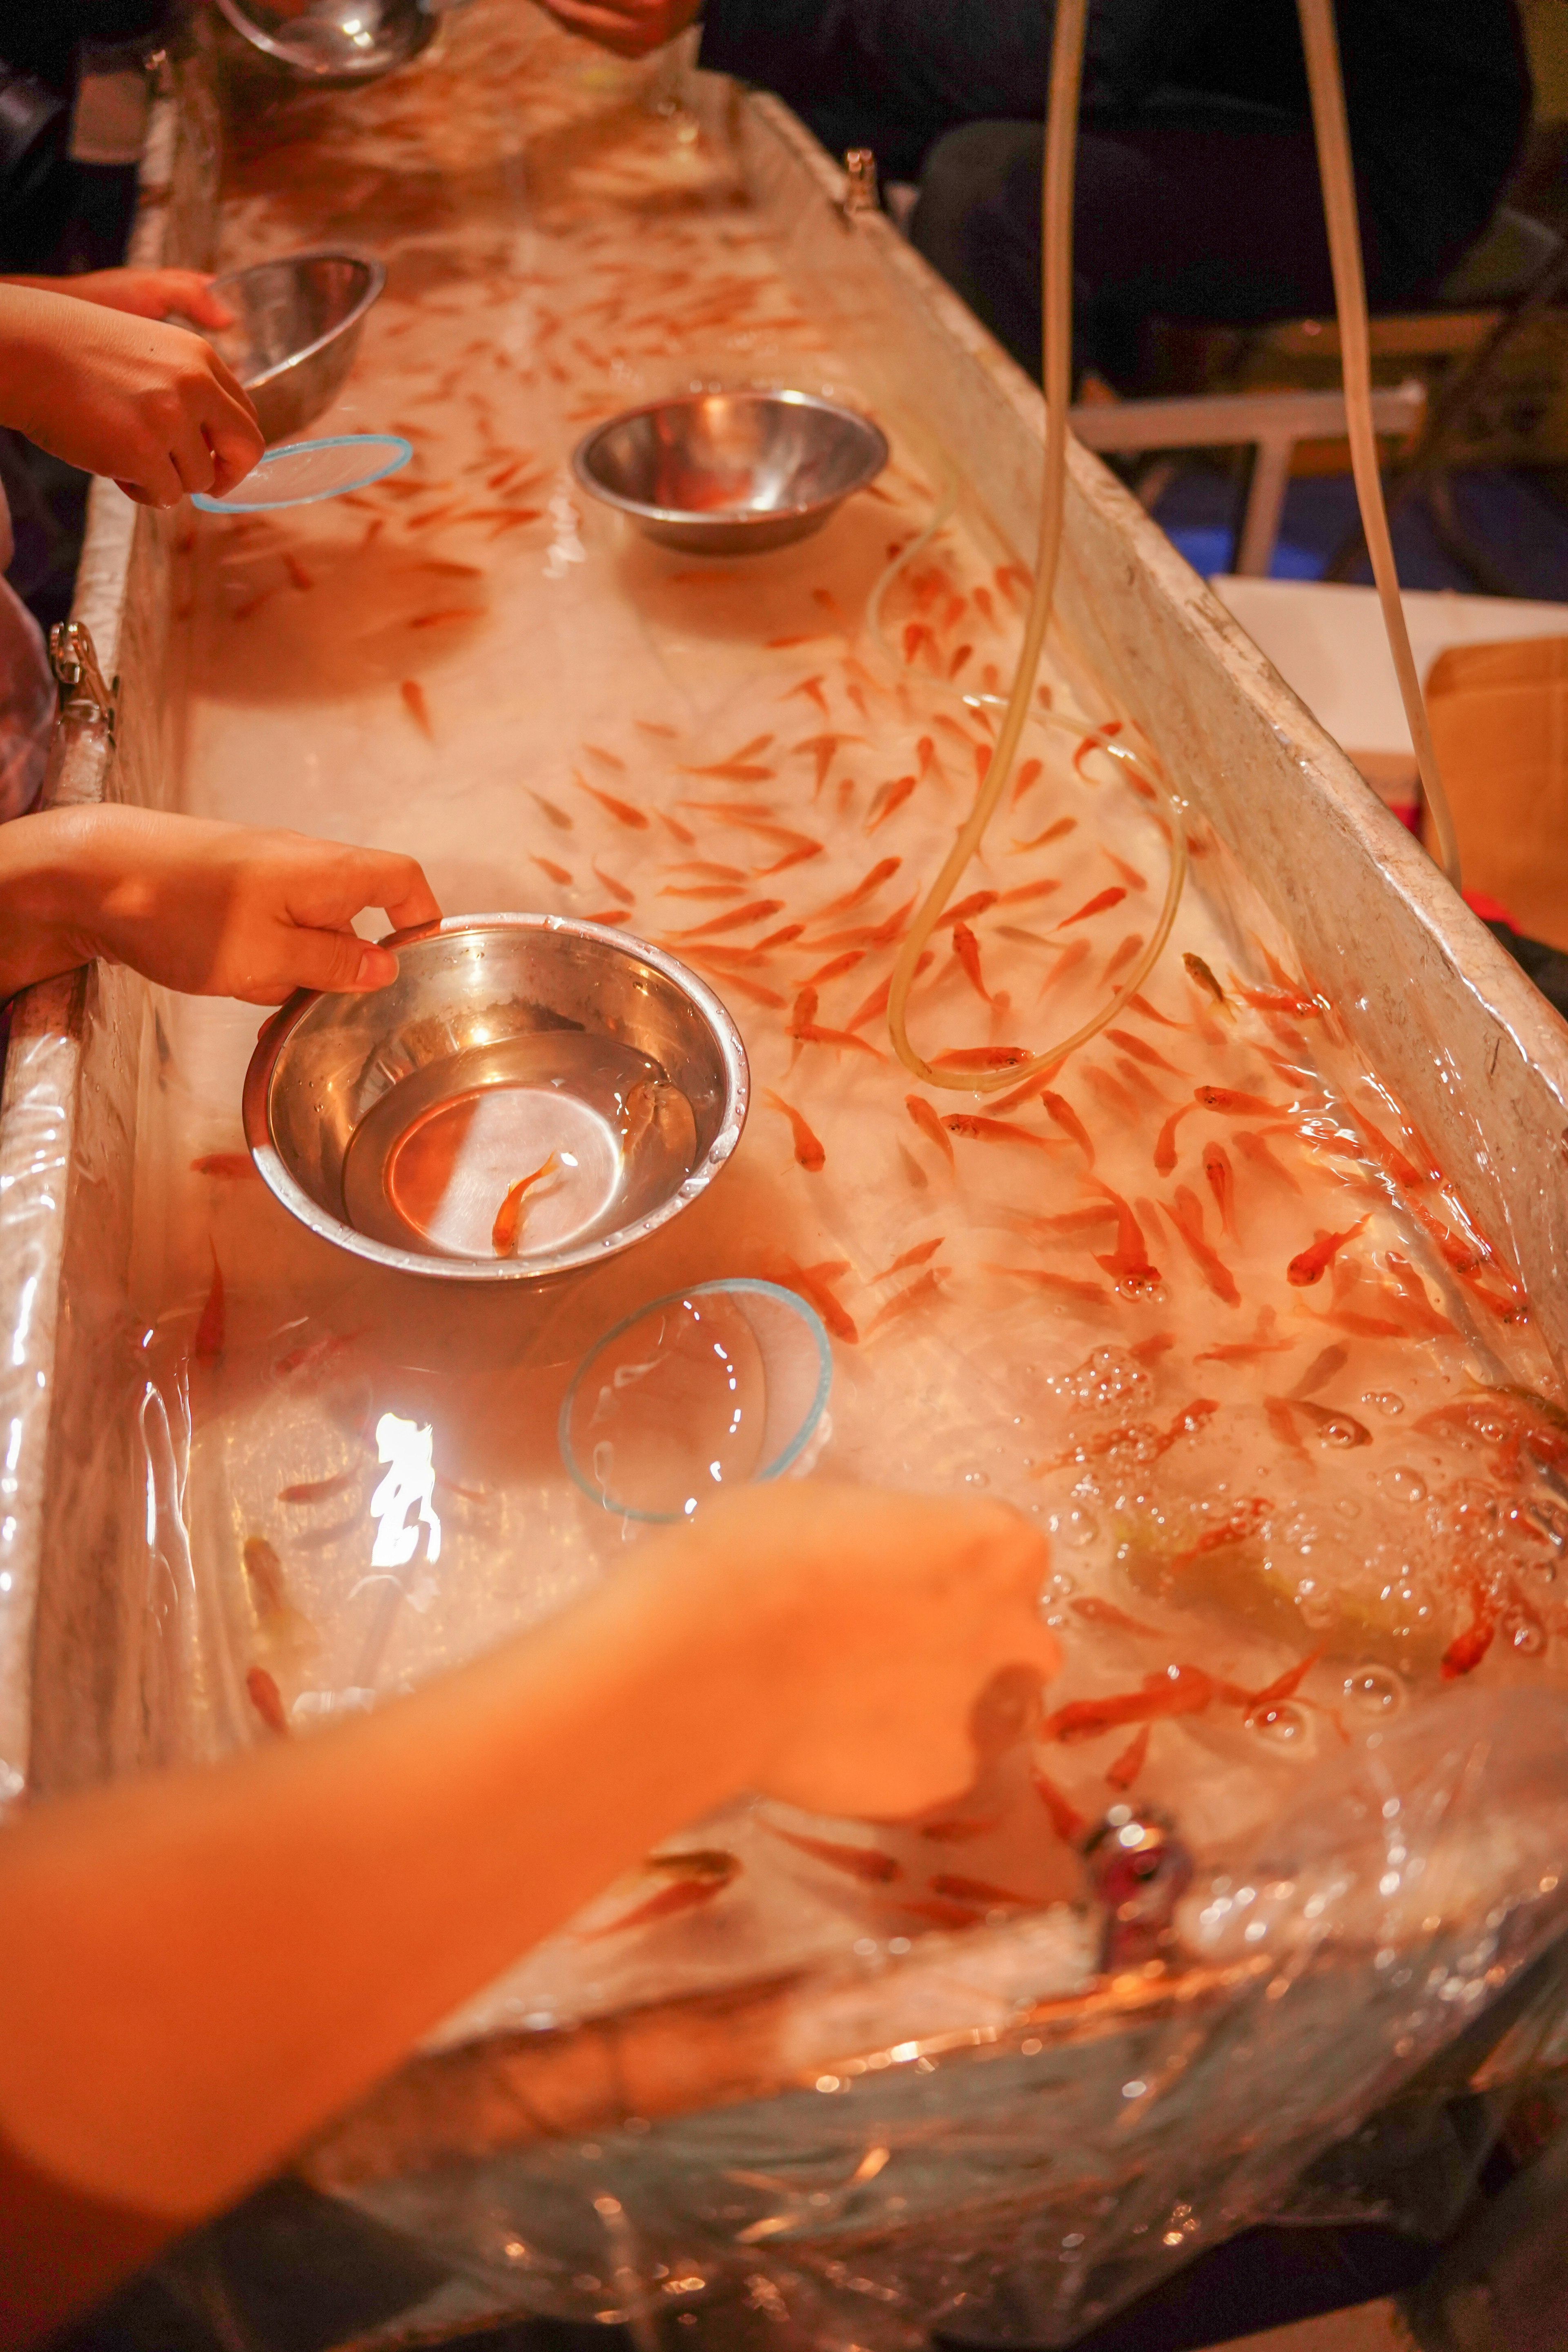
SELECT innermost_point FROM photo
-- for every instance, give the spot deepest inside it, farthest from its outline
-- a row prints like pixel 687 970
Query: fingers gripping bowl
pixel 530 1096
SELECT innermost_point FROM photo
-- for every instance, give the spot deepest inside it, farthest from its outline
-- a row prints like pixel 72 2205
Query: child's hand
pixel 213 910
pixel 630 28
pixel 858 1631
pixel 150 405
pixel 141 293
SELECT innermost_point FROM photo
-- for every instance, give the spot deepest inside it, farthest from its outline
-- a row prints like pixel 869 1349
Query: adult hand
pixel 869 1627
pixel 150 405
pixel 630 28
pixel 212 910
pixel 142 293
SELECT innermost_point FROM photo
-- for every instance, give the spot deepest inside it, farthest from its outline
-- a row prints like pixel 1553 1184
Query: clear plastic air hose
pixel 1321 43
pixel 1320 38
pixel 1061 160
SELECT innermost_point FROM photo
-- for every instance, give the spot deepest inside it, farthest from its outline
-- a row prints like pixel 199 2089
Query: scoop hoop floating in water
pixel 795 1404
pixel 303 473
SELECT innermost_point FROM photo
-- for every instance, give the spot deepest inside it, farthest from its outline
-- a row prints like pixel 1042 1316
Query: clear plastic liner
pixel 1307 1525
pixel 1015 2182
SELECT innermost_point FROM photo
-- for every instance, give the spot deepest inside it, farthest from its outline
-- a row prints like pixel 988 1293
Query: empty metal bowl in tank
pixel 530 1096
pixel 298 322
pixel 333 44
pixel 730 473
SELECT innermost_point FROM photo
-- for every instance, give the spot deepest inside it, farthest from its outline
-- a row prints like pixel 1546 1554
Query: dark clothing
pixel 1240 232
pixel 58 217
pixel 40 37
pixel 1197 189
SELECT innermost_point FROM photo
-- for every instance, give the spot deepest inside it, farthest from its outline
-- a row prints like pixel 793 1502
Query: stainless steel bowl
pixel 297 323
pixel 529 1096
pixel 730 473
pixel 333 44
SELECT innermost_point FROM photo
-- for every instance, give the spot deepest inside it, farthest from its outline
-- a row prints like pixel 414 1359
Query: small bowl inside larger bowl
pixel 298 322
pixel 530 1095
pixel 730 473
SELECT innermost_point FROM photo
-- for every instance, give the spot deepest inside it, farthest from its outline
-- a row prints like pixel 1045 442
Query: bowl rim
pixel 375 285
pixel 728 1286
pixel 286 1188
pixel 326 77
pixel 728 518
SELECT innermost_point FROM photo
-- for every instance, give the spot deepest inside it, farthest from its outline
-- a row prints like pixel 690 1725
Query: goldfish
pixel 966 948
pixel 1198 972
pixel 1244 1520
pixel 1065 1820
pixel 1179 1690
pixel 809 1153
pixel 1100 904
pixel 930 1125
pixel 924 1287
pixel 1165 1142
pixel 1060 1112
pixel 1125 1769
pixel 1252 1147
pixel 695 1879
pixel 622 811
pixel 1308 1265
pixel 888 798
pixel 866 1864
pixel 318 1490
pixel 1232 1105
pixel 1188 1218
pixel 960 1889
pixel 267 1700
pixel 231 1165
pixel 814 1284
pixel 1466 1651
pixel 1087 1294
pixel 1129 1262
pixel 1222 1184
pixel 920 1256
pixel 975 1129
pixel 508 1216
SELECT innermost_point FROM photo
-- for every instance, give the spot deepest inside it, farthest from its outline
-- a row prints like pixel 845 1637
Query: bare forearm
pixel 251 1947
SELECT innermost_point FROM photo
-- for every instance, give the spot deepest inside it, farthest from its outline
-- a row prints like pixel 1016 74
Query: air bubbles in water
pixel 1385 1401
pixel 1075 1526
pixel 1373 1690
pixel 1405 1484
pixel 1284 1726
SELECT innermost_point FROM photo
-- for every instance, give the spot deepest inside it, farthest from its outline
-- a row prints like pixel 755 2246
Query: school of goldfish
pixel 1200 1298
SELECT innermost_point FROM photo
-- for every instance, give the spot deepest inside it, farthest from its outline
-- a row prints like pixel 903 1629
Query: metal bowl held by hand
pixel 530 1096
pixel 297 323
pixel 333 44
pixel 730 473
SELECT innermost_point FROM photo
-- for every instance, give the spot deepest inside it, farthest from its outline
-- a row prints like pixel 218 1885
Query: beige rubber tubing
pixel 1062 161
pixel 1321 44
pixel 1320 38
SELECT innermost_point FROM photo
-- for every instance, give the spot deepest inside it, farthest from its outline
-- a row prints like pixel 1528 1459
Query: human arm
pixel 199 1968
pixel 630 28
pixel 211 909
pixel 150 405
pixel 140 293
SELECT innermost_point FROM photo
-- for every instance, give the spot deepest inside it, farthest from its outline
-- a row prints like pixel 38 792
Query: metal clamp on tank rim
pixel 860 189
pixel 84 697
